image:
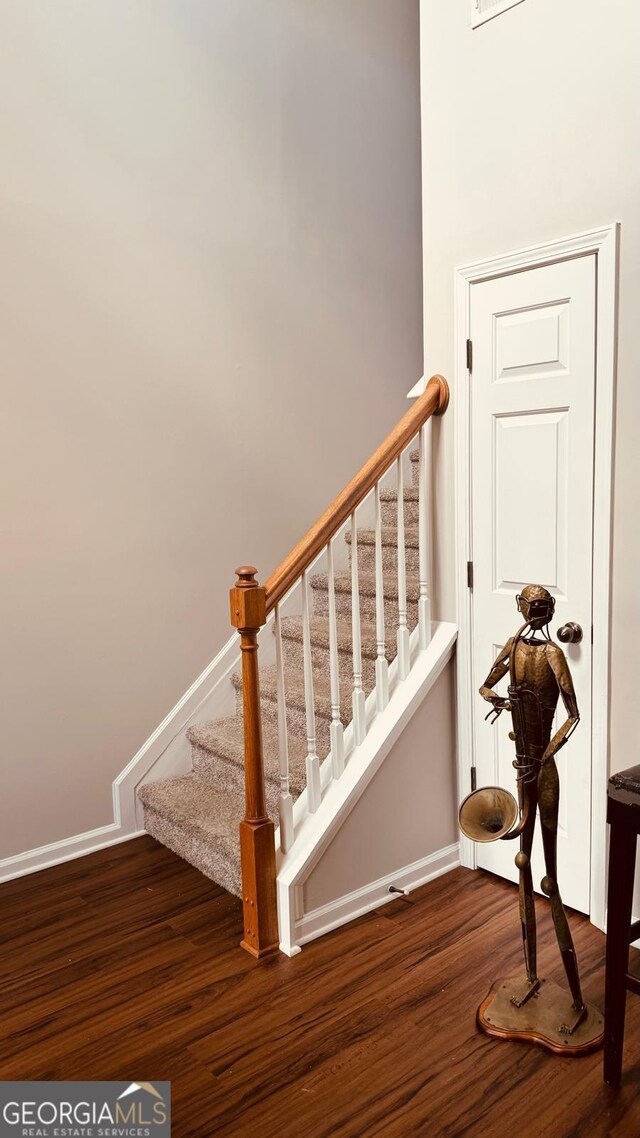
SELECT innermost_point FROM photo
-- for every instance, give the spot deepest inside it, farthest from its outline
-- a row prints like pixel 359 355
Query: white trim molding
pixel 167 752
pixel 604 243
pixel 484 10
pixel 418 388
pixel 78 845
pixel 323 920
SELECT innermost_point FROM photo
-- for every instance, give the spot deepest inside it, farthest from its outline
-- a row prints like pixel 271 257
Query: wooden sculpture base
pixel 538 1021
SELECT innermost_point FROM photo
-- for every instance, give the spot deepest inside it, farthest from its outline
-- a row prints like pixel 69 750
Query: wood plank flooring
pixel 125 965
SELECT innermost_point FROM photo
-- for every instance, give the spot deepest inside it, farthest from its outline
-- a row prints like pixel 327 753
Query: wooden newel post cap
pixel 247 600
pixel 246 575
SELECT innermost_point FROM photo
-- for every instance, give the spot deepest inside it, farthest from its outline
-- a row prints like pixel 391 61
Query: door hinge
pixel 474 779
pixel 469 574
pixel 469 356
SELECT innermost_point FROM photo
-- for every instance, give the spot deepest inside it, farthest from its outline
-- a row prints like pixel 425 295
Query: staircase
pixel 329 657
pixel 197 815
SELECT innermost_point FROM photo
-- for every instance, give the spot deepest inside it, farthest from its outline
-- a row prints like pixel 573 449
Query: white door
pixel 532 438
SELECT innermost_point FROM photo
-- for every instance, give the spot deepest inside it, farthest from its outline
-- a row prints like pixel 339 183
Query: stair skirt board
pixel 315 831
pixel 323 920
pixel 167 751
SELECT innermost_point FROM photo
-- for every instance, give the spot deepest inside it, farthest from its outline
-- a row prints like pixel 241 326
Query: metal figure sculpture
pixel 538 676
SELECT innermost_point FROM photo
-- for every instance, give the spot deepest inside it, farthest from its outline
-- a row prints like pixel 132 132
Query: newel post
pixel 257 831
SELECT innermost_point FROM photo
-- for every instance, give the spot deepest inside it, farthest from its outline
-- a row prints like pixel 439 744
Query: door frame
pixel 604 244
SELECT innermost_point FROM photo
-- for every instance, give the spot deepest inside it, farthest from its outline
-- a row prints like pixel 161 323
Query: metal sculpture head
pixel 536 605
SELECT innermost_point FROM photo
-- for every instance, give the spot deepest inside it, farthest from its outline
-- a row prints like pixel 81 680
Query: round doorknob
pixel 570 633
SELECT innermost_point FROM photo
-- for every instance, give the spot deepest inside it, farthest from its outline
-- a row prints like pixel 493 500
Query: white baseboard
pixel 376 893
pixel 78 845
pixel 167 752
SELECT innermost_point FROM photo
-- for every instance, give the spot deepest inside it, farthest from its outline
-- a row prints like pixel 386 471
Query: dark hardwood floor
pixel 126 965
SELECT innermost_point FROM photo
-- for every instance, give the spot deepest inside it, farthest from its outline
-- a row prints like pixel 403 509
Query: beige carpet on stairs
pixel 197 815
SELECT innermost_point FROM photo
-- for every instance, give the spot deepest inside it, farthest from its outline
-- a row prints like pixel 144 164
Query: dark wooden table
pixel 623 816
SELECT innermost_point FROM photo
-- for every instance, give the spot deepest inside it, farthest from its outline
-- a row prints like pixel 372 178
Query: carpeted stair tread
pixel 197 817
pixel 389 535
pixel 389 494
pixel 366 585
pixel 294 691
pixel 224 739
pixel 319 634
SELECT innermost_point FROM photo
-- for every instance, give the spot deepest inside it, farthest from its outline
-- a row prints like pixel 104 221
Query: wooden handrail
pixel 433 401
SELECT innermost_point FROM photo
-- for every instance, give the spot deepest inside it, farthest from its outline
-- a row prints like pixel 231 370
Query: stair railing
pixel 251 604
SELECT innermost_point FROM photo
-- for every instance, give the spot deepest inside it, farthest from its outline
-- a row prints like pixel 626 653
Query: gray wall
pixel 530 133
pixel 416 778
pixel 210 315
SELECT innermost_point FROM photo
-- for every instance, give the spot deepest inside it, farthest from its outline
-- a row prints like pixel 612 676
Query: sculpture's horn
pixel 487 814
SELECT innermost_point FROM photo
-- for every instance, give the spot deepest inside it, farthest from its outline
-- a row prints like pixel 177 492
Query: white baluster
pixel 424 604
pixel 403 638
pixel 313 762
pixel 358 701
pixel 382 667
pixel 285 802
pixel 337 730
